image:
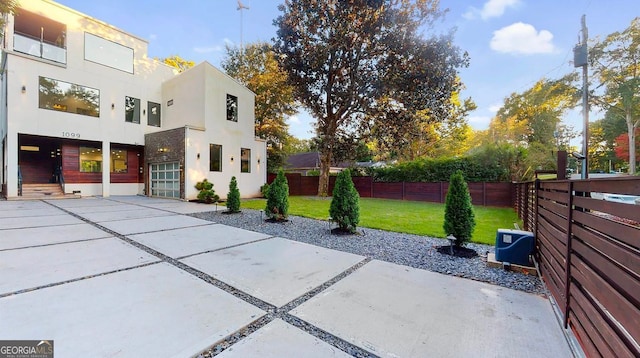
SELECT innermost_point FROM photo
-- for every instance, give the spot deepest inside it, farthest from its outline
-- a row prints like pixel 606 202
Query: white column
pixel 12 164
pixel 106 168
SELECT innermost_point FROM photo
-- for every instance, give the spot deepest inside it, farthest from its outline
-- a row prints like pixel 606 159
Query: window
pixel 245 160
pixel 90 160
pixel 68 97
pixel 215 158
pixel 232 108
pixel 108 53
pixel 118 161
pixel 132 110
pixel 154 114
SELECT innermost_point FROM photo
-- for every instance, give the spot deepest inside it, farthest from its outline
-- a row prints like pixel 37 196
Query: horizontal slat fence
pixel 485 194
pixel 588 250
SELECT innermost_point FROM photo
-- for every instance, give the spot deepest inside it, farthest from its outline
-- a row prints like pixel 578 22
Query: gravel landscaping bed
pixel 404 249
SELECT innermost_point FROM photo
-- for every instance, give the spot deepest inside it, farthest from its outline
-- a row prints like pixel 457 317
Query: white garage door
pixel 165 180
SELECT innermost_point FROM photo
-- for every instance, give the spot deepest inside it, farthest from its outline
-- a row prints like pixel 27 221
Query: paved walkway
pixel 135 277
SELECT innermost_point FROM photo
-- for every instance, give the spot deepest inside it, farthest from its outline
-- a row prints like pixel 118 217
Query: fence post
pixel 403 190
pixel 441 192
pixel 484 193
pixel 567 269
pixel 371 182
pixel 525 209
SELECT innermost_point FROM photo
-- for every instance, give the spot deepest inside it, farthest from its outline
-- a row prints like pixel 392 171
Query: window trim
pixel 137 103
pixel 248 160
pixel 150 106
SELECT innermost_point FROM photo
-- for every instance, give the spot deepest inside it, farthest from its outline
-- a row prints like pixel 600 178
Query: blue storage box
pixel 514 246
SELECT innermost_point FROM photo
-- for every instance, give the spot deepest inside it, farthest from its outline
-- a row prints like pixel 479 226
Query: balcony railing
pixel 34 47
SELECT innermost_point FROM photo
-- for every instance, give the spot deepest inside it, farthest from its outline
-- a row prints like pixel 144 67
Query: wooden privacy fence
pixel 485 194
pixel 588 251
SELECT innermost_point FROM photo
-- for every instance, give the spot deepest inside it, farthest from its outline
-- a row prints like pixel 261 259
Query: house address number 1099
pixel 70 135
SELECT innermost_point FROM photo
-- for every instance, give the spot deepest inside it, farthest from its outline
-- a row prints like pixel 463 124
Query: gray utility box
pixel 514 246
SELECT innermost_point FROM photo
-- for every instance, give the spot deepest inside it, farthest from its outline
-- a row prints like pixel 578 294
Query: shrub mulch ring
pixel 458 251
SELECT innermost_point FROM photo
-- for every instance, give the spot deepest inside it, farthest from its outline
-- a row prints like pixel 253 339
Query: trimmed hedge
pixel 440 170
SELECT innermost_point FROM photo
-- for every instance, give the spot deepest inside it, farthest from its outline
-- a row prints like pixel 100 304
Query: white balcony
pixel 35 47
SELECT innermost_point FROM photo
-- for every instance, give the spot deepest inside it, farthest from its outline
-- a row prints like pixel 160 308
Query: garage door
pixel 165 180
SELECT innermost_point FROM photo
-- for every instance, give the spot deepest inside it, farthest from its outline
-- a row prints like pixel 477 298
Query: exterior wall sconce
pixel 144 112
pixel 24 89
pixel 231 159
pixel 113 106
pixel 258 160
pixel 198 156
pixel 163 150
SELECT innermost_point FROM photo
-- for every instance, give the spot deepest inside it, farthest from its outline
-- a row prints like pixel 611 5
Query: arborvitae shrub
pixel 278 198
pixel 459 219
pixel 233 197
pixel 206 193
pixel 345 204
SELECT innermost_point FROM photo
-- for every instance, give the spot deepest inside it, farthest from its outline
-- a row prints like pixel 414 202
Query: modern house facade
pixel 82 106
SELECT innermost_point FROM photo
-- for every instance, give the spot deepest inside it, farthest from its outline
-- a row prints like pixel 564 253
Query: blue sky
pixel 512 43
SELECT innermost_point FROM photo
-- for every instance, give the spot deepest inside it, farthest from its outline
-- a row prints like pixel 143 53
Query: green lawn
pixel 412 217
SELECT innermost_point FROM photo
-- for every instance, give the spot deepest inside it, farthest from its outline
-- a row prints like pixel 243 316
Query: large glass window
pixel 131 110
pixel 69 97
pixel 153 110
pixel 108 53
pixel 90 160
pixel 118 161
pixel 215 157
pixel 245 160
pixel 232 108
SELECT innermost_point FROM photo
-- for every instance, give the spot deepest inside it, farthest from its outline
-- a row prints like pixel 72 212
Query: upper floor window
pixel 215 157
pixel 68 97
pixel 232 108
pixel 39 36
pixel 245 160
pixel 132 110
pixel 108 53
pixel 153 110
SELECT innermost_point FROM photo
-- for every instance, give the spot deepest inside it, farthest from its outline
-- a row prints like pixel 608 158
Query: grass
pixel 412 217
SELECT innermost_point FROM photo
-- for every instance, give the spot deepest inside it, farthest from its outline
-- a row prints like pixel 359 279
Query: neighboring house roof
pixel 310 160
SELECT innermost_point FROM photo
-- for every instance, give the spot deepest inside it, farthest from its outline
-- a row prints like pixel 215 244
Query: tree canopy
pixel 615 61
pixel 178 62
pixel 356 64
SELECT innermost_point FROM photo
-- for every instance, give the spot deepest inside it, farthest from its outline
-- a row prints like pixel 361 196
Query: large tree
pixel 7 7
pixel 615 61
pixel 256 67
pixel 358 62
pixel 178 62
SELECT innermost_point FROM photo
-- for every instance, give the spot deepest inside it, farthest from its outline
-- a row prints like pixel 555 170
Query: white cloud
pixel 293 119
pixel 492 8
pixel 479 122
pixel 495 107
pixel 521 38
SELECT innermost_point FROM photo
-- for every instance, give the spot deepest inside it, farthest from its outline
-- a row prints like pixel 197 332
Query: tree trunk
pixel 632 144
pixel 325 165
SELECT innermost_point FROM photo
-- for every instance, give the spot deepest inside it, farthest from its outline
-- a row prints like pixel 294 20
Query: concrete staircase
pixel 42 191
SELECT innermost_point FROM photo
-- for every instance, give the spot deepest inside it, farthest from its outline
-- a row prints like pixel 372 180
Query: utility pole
pixel 241 7
pixel 580 59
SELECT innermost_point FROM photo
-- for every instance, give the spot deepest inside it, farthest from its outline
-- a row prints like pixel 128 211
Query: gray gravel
pixel 404 249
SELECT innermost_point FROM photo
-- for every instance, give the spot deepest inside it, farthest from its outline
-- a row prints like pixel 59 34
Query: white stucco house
pixel 84 108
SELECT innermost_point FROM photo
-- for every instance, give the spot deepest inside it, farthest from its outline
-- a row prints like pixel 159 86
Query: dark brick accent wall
pixel 163 147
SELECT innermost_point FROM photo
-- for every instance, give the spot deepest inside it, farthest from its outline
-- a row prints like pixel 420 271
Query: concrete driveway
pixel 135 277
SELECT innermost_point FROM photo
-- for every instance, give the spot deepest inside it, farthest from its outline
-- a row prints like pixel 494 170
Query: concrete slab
pixel 27 221
pixel 187 241
pixel 397 311
pixel 46 235
pixel 280 339
pixel 20 205
pixel 137 213
pixel 83 202
pixel 186 207
pixel 275 270
pixel 140 200
pixel 152 311
pixel 160 223
pixel 103 209
pixel 39 266
pixel 15 213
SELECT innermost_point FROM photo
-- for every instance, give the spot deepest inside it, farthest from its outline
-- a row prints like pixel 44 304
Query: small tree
pixel 278 198
pixel 345 204
pixel 206 194
pixel 233 197
pixel 459 219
